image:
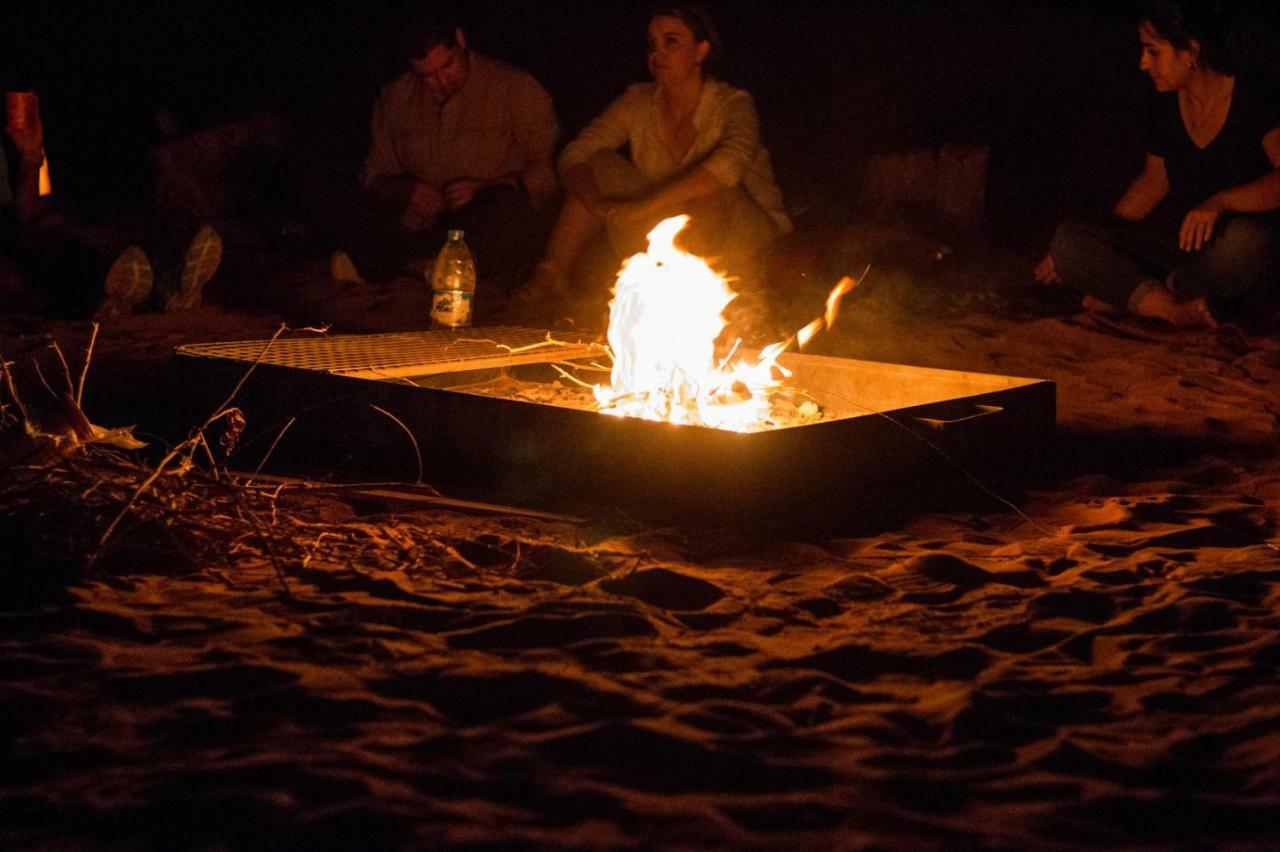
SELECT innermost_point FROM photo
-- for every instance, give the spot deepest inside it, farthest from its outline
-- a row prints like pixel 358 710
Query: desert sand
pixel 1099 668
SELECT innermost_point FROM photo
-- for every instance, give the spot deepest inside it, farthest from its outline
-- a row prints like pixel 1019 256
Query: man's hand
pixel 459 192
pixel 1197 227
pixel 28 137
pixel 1047 272
pixel 426 203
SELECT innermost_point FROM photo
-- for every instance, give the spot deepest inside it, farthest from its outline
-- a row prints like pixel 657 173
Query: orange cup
pixel 21 109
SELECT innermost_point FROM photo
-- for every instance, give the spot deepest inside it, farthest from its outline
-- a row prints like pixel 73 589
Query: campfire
pixel 666 322
pixel 673 419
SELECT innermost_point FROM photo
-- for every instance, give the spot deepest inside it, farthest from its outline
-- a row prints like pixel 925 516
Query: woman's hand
pixel 1046 272
pixel 1197 226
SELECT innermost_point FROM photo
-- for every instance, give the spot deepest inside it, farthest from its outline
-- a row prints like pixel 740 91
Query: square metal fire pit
pixel 894 436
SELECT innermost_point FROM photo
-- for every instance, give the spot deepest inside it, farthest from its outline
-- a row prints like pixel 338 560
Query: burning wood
pixel 785 407
pixel 665 320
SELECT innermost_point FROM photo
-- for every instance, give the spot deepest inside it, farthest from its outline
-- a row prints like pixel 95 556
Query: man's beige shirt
pixel 501 121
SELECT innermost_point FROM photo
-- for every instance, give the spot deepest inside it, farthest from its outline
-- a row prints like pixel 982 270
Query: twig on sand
pixel 195 515
pixel 13 388
pixel 257 470
pixel 221 409
pixel 40 375
pixel 183 449
pixel 84 369
pixel 248 515
pixel 66 370
pixel 416 449
pixel 142 488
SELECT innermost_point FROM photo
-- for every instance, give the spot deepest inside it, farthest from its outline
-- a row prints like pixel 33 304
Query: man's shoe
pixel 199 264
pixel 127 284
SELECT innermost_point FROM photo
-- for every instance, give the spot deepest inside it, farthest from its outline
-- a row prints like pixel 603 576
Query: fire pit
pixel 672 419
pixel 492 413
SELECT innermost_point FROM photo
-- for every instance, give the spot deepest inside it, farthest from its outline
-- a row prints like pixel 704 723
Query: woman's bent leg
pixel 574 227
pixel 1109 259
pixel 1242 261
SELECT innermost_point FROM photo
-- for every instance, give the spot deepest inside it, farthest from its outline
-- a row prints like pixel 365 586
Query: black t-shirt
pixel 1234 157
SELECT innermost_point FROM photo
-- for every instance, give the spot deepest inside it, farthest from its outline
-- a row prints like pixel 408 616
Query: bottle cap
pixel 455 235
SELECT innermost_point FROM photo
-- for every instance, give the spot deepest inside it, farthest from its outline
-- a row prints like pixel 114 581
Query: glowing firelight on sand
pixel 666 315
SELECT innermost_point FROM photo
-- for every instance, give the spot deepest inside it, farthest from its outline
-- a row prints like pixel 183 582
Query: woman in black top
pixel 1198 226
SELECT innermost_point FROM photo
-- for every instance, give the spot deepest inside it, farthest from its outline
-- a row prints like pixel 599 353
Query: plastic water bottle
pixel 453 284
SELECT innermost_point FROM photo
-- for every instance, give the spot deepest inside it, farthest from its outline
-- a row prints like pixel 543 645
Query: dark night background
pixel 1050 86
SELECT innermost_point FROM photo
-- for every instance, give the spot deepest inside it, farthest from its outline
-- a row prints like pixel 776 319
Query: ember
pixel 665 319
pixel 785 408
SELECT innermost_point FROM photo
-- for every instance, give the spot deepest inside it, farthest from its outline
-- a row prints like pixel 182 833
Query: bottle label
pixel 451 308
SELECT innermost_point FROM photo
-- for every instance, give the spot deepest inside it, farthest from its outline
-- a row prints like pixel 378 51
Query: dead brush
pixel 77 500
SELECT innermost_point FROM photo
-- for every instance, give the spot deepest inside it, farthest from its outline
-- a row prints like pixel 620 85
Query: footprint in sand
pixel 945 568
pixel 665 589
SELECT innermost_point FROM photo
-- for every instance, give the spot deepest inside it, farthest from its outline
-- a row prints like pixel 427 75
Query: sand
pixel 1104 673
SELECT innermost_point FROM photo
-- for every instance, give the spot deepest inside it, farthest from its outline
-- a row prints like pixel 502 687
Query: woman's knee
pixel 1248 242
pixel 1075 237
pixel 728 224
pixel 616 176
pixel 1243 257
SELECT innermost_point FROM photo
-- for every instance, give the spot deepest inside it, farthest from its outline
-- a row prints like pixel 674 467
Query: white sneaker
pixel 127 285
pixel 204 254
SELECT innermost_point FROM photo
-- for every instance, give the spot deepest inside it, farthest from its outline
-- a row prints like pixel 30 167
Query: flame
pixel 665 318
pixel 46 185
pixel 804 335
pixel 843 287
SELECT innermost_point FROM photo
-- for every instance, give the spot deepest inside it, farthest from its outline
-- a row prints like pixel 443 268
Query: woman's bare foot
pixel 1046 272
pixel 1153 299
pixel 1094 305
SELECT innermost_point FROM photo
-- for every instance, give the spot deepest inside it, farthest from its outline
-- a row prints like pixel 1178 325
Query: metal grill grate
pixel 415 353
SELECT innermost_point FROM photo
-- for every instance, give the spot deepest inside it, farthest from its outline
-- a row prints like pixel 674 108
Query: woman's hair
pixel 702 27
pixel 1204 21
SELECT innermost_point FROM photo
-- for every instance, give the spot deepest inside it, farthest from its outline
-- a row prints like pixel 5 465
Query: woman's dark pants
pixel 1108 258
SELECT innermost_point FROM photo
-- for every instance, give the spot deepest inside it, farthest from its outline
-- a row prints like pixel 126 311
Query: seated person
pixel 459 141
pixel 57 265
pixel 1197 230
pixel 694 147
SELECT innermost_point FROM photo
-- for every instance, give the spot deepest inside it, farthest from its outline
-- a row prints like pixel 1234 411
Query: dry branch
pixel 86 505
